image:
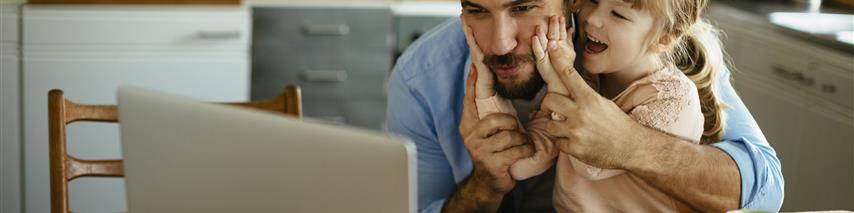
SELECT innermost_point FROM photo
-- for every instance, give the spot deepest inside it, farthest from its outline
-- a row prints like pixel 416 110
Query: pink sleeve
pixel 493 104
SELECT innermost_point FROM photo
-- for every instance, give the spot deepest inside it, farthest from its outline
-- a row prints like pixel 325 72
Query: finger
pixel 539 53
pixel 506 140
pixel 554 31
pixel 469 116
pixel 541 34
pixel 557 129
pixel 511 155
pixel 493 123
pixel 539 146
pixel 468 34
pixel 573 81
pixel 562 23
pixel 560 104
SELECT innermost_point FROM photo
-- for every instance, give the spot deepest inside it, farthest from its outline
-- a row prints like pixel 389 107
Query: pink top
pixel 665 100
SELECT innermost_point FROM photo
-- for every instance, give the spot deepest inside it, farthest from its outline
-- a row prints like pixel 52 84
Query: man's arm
pixel 408 116
pixel 703 176
pixel 697 174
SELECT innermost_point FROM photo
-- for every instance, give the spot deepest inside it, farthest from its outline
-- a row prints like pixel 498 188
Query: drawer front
pixel 319 83
pixel 312 36
pixel 834 83
pixel 364 113
pixel 140 25
pixel 351 59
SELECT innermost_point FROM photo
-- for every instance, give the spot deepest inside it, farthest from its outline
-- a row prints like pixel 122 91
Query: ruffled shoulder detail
pixel 673 90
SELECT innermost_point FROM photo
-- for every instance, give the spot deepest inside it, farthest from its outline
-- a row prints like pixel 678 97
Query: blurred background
pixel 793 67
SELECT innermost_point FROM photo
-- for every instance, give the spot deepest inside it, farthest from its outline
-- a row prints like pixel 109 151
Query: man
pixel 467 171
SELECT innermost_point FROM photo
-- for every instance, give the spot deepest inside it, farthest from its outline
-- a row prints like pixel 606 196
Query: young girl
pixel 655 59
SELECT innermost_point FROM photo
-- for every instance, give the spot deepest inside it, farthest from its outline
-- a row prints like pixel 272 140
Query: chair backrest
pixel 64 167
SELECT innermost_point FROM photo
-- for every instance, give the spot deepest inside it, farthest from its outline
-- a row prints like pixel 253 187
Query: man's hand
pixel 494 144
pixel 592 128
pixel 485 80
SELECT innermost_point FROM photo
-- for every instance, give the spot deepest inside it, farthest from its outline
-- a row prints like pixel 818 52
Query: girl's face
pixel 614 37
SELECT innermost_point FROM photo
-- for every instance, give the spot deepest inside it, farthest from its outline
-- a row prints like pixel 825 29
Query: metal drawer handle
pixel 828 88
pixel 219 35
pixel 324 75
pixel 326 29
pixel 793 76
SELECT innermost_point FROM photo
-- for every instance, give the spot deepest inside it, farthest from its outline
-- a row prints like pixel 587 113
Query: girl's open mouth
pixel 594 46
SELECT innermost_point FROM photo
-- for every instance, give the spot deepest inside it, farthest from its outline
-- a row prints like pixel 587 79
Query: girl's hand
pixel 554 52
pixel 485 80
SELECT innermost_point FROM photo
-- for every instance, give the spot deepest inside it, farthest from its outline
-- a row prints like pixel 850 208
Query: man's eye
pixel 594 1
pixel 522 8
pixel 619 15
pixel 474 11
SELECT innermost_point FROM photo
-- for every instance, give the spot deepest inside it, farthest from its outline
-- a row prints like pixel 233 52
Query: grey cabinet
pixel 801 96
pixel 340 58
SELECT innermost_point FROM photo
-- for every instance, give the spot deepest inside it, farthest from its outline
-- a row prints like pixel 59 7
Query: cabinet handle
pixel 828 88
pixel 218 35
pixel 793 76
pixel 324 75
pixel 326 29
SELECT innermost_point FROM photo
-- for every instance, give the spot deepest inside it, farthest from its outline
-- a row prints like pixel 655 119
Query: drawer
pixel 136 25
pixel 835 84
pixel 322 31
pixel 320 83
pixel 351 59
pixel 364 113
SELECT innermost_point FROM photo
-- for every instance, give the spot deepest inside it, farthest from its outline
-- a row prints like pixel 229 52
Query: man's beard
pixel 527 89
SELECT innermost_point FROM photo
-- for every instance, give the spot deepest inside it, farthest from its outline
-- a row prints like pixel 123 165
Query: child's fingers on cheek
pixel 562 28
pixel 541 34
pixel 537 49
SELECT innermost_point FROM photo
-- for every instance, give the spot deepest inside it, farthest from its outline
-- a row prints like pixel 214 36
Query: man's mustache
pixel 507 59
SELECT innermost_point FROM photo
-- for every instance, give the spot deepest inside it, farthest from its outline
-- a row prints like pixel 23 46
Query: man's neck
pixel 525 107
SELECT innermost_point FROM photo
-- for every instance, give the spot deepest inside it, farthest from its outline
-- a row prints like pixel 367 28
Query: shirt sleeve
pixel 762 181
pixel 408 115
pixel 493 104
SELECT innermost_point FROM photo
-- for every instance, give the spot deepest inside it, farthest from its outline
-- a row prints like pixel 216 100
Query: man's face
pixel 503 29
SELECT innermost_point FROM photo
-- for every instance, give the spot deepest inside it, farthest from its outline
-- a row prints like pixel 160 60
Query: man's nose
pixel 504 36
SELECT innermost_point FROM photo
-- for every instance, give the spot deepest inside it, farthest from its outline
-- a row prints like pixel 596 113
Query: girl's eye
pixel 522 8
pixel 618 15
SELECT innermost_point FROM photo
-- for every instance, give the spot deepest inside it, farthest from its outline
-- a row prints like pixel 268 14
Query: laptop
pixel 182 155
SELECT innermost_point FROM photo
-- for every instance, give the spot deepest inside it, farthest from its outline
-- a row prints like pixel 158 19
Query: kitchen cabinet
pixel 340 53
pixel 89 51
pixel 339 56
pixel 802 96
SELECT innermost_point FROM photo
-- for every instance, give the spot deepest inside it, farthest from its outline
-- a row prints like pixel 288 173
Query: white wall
pixel 10 131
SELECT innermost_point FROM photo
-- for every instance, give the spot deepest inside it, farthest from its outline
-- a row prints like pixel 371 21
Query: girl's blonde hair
pixel 696 51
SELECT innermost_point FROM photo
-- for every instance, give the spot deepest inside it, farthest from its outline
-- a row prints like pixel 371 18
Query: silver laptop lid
pixel 186 156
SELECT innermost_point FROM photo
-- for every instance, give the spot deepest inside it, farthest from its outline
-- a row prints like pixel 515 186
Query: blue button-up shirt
pixel 426 91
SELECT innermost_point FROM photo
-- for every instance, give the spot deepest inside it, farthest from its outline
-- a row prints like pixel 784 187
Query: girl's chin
pixel 591 67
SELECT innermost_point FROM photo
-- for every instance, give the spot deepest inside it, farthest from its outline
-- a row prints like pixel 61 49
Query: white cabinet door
pixel 94 80
pixel 10 114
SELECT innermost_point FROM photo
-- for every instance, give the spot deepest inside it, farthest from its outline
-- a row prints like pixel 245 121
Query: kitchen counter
pixel 411 8
pixel 799 20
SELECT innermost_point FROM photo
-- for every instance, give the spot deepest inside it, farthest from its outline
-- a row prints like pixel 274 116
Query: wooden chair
pixel 64 167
